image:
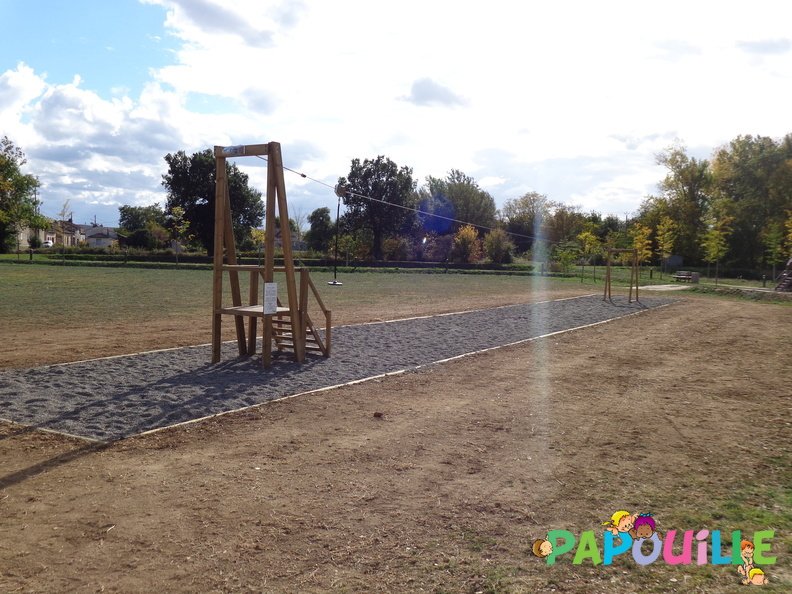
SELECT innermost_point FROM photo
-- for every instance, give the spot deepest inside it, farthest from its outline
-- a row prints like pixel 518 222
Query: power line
pixel 409 208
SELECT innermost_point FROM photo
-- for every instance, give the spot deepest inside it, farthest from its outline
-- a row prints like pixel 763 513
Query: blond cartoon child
pixel 542 547
pixel 621 521
pixel 756 577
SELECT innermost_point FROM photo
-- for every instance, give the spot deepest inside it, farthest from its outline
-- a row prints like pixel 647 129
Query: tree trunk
pixel 376 248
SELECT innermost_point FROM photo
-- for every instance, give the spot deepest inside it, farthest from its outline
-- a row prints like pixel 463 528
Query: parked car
pixel 47 244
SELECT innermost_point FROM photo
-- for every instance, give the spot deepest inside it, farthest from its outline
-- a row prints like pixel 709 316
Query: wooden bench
pixel 685 276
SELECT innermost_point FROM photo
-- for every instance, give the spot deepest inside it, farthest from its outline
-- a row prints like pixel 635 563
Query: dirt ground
pixel 435 481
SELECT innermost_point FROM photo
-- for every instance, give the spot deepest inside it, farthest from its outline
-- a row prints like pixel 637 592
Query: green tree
pixel 377 189
pixel 788 233
pixel 754 174
pixel 131 218
pixel 468 202
pixel 686 188
pixel 322 230
pixel 467 247
pixel 565 254
pixel 564 224
pixel 180 229
pixel 715 240
pixel 525 218
pixel 437 212
pixel 190 183
pixel 18 203
pixel 590 248
pixel 773 239
pixel 666 238
pixel 498 246
pixel 641 242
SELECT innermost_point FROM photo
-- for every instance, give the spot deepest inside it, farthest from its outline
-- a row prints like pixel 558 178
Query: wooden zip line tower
pixel 288 326
pixel 633 272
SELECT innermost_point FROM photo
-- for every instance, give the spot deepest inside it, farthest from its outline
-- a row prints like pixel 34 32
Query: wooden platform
pixel 252 311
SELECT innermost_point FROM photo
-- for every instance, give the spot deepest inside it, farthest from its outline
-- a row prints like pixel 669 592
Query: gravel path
pixel 109 399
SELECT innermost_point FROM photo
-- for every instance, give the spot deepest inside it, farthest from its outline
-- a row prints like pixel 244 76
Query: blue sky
pixel 568 98
pixel 111 45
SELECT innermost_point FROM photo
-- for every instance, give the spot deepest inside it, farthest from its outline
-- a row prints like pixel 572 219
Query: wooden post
pixel 328 332
pixel 253 296
pixel 303 305
pixel 276 165
pixel 217 280
pixel 269 258
pixel 236 294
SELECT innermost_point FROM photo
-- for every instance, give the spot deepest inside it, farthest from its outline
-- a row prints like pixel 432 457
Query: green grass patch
pixel 87 295
pixel 743 294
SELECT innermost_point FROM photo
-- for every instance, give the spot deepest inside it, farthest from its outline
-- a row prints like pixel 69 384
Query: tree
pixel 666 238
pixel 467 247
pixel 565 254
pixel 525 218
pixel 18 203
pixel 564 223
pixel 641 242
pixel 714 240
pixel 788 233
pixel 437 212
pixel 590 247
pixel 321 231
pixel 298 216
pixel 754 174
pixel 131 218
pixel 190 182
pixel 773 240
pixel 469 203
pixel 180 228
pixel 498 246
pixel 377 190
pixel 686 189
pixel 143 226
pixel 59 225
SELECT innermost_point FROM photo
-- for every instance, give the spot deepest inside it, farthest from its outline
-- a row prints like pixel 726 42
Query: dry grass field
pixel 430 481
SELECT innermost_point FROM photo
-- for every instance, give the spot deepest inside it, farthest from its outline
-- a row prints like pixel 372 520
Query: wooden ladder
pixel 283 335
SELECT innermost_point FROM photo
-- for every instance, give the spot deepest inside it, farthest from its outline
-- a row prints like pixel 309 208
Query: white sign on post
pixel 270 298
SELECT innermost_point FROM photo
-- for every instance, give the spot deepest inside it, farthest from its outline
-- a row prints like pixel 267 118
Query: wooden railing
pixel 305 320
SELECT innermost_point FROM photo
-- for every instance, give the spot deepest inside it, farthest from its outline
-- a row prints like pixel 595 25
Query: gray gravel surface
pixel 108 399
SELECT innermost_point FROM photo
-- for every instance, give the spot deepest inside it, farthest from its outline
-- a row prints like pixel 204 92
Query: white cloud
pixel 570 99
pixel 427 92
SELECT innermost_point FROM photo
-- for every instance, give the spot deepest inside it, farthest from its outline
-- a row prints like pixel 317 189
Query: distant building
pixel 102 237
pixel 98 236
pixel 64 233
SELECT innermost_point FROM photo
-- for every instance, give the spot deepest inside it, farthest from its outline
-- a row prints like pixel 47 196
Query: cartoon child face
pixel 643 531
pixel 625 524
pixel 542 547
pixel 747 553
pixel 757 578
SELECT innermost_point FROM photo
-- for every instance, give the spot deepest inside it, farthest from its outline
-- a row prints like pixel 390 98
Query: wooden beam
pixel 241 150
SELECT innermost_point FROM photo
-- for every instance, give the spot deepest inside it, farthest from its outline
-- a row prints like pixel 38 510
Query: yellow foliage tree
pixel 467 247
